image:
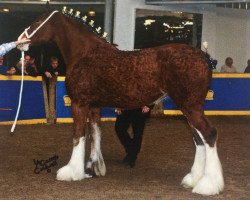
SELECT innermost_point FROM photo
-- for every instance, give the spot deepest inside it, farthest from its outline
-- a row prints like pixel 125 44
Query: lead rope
pixel 20 95
pixel 23 48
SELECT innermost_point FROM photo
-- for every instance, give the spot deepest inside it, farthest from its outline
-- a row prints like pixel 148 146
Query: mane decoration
pixel 84 20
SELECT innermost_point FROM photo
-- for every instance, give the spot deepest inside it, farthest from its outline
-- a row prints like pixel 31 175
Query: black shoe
pixel 126 159
pixel 129 160
pixel 132 164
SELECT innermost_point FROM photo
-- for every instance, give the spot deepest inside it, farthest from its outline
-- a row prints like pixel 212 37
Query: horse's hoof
pixel 89 173
pixel 88 176
pixel 100 168
pixel 208 186
pixel 129 160
pixel 68 173
pixel 189 181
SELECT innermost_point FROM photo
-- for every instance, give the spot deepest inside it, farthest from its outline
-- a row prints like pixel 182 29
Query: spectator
pixel 3 68
pixel 28 69
pixel 51 72
pixel 30 62
pixel 228 67
pixel 247 70
pixel 5 48
pixel 11 71
pixel 132 145
pixel 53 69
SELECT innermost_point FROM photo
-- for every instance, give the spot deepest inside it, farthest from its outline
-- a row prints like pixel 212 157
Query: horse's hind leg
pixel 74 170
pixel 206 174
pixel 197 170
pixel 95 163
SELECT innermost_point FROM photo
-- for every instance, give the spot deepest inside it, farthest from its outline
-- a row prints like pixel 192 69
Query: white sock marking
pixel 197 170
pixel 212 182
pixel 96 154
pixel 74 170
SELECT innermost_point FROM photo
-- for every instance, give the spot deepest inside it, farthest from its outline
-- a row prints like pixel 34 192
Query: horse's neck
pixel 74 43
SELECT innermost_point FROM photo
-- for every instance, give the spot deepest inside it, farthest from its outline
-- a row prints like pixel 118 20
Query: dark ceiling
pixel 40 5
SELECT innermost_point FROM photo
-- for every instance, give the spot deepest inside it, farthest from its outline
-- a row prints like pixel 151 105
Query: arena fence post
pixel 52 100
pixel 157 111
pixel 45 97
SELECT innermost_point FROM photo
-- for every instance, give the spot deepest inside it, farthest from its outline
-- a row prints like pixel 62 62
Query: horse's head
pixel 42 30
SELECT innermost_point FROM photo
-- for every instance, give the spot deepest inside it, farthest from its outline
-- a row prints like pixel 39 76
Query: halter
pixel 40 26
pixel 25 47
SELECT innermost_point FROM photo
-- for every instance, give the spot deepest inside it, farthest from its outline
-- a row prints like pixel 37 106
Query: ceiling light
pixel 148 22
pixel 91 13
pixel 188 23
pixel 6 10
pixel 166 24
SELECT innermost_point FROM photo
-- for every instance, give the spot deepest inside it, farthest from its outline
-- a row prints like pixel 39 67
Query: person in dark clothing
pixel 51 72
pixel 247 70
pixel 30 62
pixel 136 118
pixel 53 68
pixel 28 70
pixel 3 68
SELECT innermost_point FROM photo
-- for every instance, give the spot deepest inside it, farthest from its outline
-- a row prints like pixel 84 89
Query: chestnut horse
pixel 99 75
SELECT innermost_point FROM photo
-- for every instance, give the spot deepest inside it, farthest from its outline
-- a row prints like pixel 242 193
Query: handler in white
pixel 5 48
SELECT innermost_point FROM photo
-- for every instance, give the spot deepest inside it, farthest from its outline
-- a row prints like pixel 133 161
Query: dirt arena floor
pixel 166 156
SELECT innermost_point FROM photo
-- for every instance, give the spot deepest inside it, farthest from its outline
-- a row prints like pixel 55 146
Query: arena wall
pixel 227 31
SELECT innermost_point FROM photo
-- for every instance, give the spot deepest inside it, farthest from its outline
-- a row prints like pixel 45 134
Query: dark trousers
pixel 137 120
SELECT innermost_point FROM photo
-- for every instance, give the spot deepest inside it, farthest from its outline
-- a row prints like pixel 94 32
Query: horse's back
pixel 132 79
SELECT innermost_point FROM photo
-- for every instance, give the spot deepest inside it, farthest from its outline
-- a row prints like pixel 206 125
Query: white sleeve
pixel 5 48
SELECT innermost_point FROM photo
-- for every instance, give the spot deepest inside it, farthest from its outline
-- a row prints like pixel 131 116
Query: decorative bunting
pixel 64 11
pixel 98 30
pixel 105 34
pixel 71 12
pixel 91 23
pixel 77 15
pixel 84 19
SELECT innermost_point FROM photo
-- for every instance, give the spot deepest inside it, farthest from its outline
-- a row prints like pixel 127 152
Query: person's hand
pixel 23 41
pixel 145 109
pixel 11 71
pixel 118 111
pixel 56 73
pixel 48 75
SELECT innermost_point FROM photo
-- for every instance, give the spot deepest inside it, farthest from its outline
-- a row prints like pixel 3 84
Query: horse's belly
pixel 127 101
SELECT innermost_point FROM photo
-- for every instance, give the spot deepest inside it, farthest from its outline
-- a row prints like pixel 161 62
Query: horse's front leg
pixel 95 164
pixel 74 170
